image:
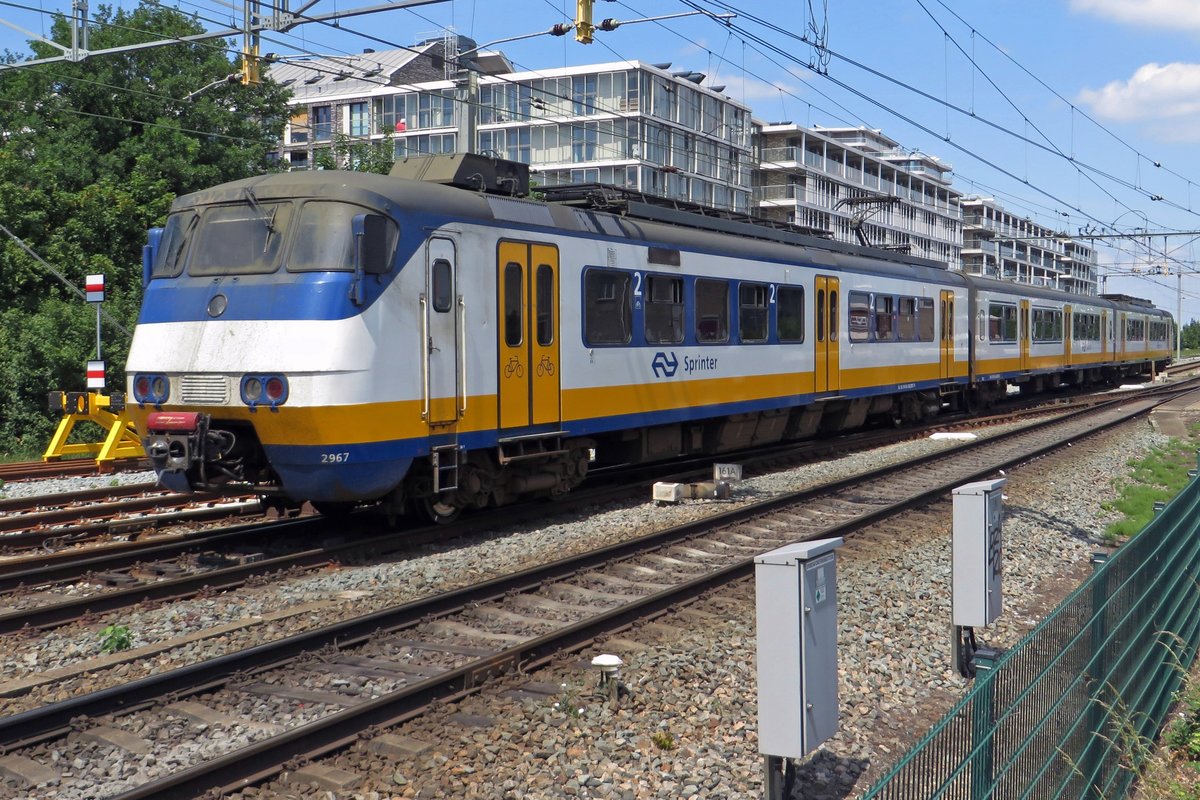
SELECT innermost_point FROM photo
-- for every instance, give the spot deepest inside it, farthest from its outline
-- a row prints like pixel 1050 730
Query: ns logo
pixel 664 365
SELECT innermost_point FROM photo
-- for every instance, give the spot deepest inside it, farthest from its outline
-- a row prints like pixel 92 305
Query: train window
pixel 820 315
pixel 1135 330
pixel 514 309
pixel 906 321
pixel 1047 325
pixel 884 322
pixel 664 310
pixel 833 315
pixel 925 318
pixel 1002 323
pixel 172 247
pixel 663 255
pixel 712 311
pixel 442 282
pixel 859 321
pixel 544 290
pixel 242 239
pixel 324 240
pixel 789 308
pixel 607 307
pixel 1086 326
pixel 752 312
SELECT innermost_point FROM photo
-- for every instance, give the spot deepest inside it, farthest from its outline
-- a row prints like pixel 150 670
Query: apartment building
pixel 635 125
pixel 853 181
pixel 999 244
pixel 648 128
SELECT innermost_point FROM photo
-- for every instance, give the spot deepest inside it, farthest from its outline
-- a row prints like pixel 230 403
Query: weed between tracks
pixel 1157 478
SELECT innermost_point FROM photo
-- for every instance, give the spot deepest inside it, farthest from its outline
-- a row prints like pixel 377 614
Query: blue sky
pixel 1075 113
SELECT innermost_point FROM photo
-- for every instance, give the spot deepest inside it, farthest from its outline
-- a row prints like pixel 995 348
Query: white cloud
pixel 1147 13
pixel 1154 93
pixel 757 91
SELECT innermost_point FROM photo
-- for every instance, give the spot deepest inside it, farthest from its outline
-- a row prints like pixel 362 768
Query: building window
pixel 299 127
pixel 322 123
pixel 583 95
pixel 359 120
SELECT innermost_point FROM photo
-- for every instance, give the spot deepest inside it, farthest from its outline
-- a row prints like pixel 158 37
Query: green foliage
pixel 1157 478
pixel 1189 336
pixel 568 702
pixel 115 638
pixel 357 155
pixel 91 156
pixel 663 740
pixel 1182 737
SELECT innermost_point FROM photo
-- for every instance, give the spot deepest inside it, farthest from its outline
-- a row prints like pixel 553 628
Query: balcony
pixel 768 194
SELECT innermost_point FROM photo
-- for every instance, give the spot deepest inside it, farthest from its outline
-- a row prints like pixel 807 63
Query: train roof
pixel 632 220
pixel 597 211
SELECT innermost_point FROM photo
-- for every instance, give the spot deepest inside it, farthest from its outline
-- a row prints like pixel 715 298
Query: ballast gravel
pixel 685 723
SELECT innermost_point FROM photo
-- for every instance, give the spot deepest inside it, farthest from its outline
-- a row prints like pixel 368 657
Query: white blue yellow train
pixel 342 337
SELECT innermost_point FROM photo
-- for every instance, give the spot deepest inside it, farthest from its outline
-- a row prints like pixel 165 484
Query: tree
pixel 91 156
pixel 358 155
pixel 1189 336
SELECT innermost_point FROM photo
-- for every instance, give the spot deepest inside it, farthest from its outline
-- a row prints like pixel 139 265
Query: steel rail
pixel 259 761
pixel 238 768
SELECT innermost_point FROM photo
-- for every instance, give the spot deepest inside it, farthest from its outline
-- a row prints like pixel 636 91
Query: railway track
pixel 51 522
pixel 343 681
pixel 172 567
pixel 38 470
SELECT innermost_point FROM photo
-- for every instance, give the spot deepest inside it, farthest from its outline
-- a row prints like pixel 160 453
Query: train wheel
pixel 438 512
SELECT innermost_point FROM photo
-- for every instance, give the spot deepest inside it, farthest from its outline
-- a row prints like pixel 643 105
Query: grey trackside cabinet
pixel 978 511
pixel 796 604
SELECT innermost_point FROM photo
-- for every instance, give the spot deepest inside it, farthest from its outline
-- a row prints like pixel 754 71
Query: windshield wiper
pixel 268 218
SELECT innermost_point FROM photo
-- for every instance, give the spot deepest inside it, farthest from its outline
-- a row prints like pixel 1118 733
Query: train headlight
pixel 151 388
pixel 268 390
pixel 276 389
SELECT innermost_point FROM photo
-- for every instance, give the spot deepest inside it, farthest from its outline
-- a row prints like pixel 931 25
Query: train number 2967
pixel 334 458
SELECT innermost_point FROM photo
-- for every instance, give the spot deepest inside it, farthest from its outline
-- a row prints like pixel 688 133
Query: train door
pixel 1104 337
pixel 440 317
pixel 1023 334
pixel 528 363
pixel 1067 333
pixel 827 365
pixel 947 337
pixel 1119 335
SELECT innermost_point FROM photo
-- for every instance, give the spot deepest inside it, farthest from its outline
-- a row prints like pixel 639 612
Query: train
pixel 438 340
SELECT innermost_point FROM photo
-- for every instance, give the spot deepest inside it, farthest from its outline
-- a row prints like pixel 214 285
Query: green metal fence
pixel 1072 711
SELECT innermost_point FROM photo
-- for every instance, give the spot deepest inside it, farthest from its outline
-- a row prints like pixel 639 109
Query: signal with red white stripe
pixel 95 375
pixel 93 285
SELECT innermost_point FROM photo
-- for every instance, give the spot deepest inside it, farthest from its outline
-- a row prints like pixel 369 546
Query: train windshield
pixel 168 261
pixel 325 238
pixel 243 239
